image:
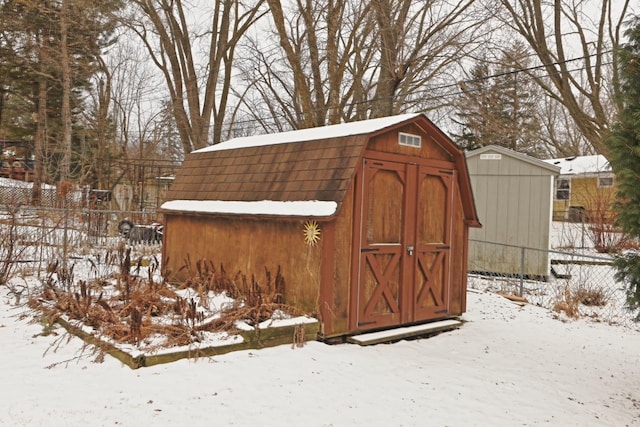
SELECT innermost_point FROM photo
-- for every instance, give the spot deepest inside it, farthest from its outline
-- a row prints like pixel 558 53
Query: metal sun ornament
pixel 311 233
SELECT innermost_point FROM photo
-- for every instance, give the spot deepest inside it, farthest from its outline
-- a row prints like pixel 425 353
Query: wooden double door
pixel 404 243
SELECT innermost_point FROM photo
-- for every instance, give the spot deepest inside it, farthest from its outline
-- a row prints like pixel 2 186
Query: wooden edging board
pixel 254 339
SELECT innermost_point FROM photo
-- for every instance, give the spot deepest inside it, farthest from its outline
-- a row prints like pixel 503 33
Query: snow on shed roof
pixel 324 132
pixel 309 208
pixel 582 164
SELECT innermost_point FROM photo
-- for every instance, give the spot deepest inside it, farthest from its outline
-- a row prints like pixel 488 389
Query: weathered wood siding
pixel 458 295
pixel 249 246
pixel 388 143
pixel 340 281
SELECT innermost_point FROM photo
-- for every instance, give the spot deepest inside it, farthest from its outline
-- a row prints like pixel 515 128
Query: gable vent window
pixel 409 140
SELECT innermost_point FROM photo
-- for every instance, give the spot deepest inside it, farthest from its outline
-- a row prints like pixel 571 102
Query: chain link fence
pixel 32 239
pixel 578 283
pixel 20 194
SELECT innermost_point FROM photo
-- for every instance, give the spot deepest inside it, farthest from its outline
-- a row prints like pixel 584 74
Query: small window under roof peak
pixel 409 140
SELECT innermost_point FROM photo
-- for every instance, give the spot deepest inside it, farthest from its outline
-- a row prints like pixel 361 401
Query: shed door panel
pixel 433 238
pixel 379 293
pixel 404 244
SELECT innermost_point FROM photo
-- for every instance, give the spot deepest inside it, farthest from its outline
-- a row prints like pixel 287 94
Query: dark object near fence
pixel 140 233
pixel 577 214
pixel 99 196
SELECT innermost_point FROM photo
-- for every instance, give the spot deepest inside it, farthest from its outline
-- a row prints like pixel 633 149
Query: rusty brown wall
pixel 459 243
pixel 342 261
pixel 248 246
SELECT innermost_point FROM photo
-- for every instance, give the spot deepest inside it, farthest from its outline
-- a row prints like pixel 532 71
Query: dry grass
pixel 129 308
pixel 570 300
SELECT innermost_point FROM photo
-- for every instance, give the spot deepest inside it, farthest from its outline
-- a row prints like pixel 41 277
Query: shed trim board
pixel 394 218
pixel 326 281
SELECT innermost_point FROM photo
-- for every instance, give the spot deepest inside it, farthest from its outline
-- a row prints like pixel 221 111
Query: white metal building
pixel 514 200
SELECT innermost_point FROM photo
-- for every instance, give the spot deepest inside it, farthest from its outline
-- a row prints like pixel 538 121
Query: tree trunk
pixel 194 102
pixel 40 142
pixel 65 113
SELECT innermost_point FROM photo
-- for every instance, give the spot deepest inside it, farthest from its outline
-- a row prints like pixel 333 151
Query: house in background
pixel 514 196
pixel 585 189
pixel 366 222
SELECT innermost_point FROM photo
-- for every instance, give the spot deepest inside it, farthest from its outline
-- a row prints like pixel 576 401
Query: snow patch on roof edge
pixel 307 208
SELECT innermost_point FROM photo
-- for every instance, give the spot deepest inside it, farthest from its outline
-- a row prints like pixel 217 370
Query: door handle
pixel 410 250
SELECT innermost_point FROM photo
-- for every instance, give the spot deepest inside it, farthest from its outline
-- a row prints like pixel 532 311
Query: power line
pixel 454 85
pixel 426 90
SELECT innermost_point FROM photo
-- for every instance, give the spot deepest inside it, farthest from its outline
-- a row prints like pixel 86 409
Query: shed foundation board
pixel 406 332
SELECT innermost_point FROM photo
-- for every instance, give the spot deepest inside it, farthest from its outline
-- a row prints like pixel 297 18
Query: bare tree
pixel 336 61
pixel 198 95
pixel 561 31
pixel 137 112
pixel 317 50
pixel 560 135
pixel 65 112
pixel 418 41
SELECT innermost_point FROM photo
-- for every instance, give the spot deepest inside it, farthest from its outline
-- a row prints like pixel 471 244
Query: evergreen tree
pixel 31 72
pixel 478 111
pixel 498 106
pixel 624 155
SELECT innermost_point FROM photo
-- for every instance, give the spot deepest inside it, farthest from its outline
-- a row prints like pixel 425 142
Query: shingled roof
pixel 313 170
pixel 298 166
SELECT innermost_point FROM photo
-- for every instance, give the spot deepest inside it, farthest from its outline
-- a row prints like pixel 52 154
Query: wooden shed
pixel 367 221
pixel 514 194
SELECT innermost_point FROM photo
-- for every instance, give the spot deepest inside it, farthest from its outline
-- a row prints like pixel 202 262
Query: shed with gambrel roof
pixel 366 221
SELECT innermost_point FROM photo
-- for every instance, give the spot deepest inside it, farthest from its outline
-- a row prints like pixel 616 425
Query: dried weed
pixel 129 308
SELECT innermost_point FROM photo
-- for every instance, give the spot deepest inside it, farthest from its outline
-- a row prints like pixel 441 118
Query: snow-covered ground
pixel 509 365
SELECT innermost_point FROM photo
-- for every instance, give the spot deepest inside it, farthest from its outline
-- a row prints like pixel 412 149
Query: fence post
pixel 65 248
pixel 41 239
pixel 522 249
